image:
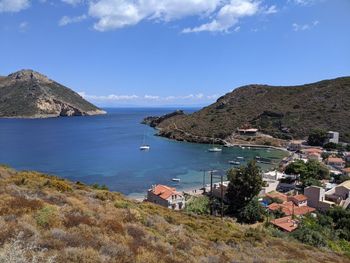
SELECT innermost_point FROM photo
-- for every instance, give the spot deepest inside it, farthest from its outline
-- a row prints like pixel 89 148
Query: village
pixel 288 193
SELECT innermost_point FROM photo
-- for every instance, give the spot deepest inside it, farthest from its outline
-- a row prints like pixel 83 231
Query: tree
pixel 317 137
pixel 330 146
pixel 310 172
pixel 245 184
pixel 252 212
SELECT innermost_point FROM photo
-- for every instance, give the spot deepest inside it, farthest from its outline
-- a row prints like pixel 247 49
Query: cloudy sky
pixel 174 52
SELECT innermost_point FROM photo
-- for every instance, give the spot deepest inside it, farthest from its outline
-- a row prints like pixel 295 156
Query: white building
pixel 333 137
pixel 166 196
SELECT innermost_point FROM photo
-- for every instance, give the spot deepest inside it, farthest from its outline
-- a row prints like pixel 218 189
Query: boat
pixel 240 157
pixel 234 162
pixel 214 148
pixel 176 180
pixel 144 147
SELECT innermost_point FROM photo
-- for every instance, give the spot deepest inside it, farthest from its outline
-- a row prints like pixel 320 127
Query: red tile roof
pixel 164 191
pixel 335 160
pixel 299 198
pixel 313 150
pixel 346 170
pixel 288 208
pixel 286 223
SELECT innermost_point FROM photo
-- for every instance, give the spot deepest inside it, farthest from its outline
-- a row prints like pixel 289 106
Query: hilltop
pixel 56 220
pixel 29 94
pixel 289 112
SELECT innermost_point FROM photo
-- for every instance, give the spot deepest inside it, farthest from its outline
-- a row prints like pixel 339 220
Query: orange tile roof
pixel 347 170
pixel 277 195
pixel 335 160
pixel 313 150
pixel 299 198
pixel 286 223
pixel 164 191
pixel 288 208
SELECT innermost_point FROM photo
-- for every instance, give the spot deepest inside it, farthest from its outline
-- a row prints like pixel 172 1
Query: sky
pixel 174 52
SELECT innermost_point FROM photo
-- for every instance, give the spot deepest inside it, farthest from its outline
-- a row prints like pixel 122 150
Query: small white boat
pixel 144 147
pixel 215 149
pixel 240 157
pixel 175 179
pixel 234 162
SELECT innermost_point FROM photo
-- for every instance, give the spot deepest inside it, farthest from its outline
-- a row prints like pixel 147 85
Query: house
pixel 340 194
pixel 166 196
pixel 336 162
pixel 317 198
pixel 308 151
pixel 295 145
pixel 332 137
pixel 286 223
pixel 314 157
pixel 248 132
pixel 298 200
pixel 294 205
pixel 346 171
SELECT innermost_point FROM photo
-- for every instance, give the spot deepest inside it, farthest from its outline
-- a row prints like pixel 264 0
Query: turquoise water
pixel 105 150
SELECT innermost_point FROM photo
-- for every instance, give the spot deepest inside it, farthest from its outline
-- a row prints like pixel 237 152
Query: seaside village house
pixel 346 171
pixel 313 154
pixel 247 132
pixel 291 206
pixel 332 137
pixel 295 145
pixel 323 200
pixel 166 196
pixel 336 162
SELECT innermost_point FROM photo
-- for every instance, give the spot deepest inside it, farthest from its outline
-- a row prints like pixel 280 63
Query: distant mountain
pixel 29 94
pixel 283 112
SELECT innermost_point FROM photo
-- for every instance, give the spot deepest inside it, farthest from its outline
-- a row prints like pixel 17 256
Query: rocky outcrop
pixel 29 94
pixel 154 121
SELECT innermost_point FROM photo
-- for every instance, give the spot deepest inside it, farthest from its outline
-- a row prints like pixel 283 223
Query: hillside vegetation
pixel 283 112
pixel 29 94
pixel 47 219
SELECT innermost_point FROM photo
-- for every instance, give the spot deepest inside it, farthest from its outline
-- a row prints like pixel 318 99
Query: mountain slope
pixel 283 112
pixel 29 94
pixel 46 217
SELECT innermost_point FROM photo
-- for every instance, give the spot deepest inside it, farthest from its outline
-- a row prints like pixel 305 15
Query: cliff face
pixel 29 94
pixel 283 112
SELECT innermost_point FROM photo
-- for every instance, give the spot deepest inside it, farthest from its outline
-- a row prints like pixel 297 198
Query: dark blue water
pixel 105 150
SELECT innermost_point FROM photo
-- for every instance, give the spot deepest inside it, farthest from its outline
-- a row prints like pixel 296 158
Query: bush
pixel 309 236
pixel 253 212
pixel 47 217
pixel 198 205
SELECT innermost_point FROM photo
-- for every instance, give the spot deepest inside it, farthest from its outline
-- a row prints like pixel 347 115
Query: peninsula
pixel 29 94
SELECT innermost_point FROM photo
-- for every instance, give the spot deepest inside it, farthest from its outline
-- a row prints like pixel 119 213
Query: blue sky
pixel 174 52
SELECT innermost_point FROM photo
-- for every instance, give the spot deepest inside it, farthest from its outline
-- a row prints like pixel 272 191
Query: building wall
pixel 157 200
pixel 314 195
pixel 342 191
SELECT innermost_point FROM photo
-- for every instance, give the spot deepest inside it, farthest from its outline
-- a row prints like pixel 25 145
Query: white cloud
pixel 303 27
pixel 13 5
pixel 23 26
pixel 224 14
pixel 228 16
pixel 271 10
pixel 302 2
pixel 73 2
pixel 66 20
pixel 155 98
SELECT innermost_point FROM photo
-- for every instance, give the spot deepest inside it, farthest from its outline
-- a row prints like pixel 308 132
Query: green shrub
pixel 47 217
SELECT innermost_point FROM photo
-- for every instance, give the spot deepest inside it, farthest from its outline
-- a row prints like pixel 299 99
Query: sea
pixel 105 150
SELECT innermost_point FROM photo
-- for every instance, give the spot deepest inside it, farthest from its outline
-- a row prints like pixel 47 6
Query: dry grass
pixel 52 220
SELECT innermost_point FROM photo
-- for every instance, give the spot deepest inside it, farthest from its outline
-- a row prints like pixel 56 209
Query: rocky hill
pixel 47 219
pixel 29 94
pixel 282 112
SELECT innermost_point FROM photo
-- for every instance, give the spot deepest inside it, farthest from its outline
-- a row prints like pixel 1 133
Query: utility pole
pixel 211 193
pixel 222 197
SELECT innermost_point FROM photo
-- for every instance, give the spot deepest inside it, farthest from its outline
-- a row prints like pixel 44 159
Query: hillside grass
pixel 47 219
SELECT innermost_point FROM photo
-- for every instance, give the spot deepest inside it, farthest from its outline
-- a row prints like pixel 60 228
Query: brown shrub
pixel 19 205
pixel 80 255
pixel 113 225
pixel 76 219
